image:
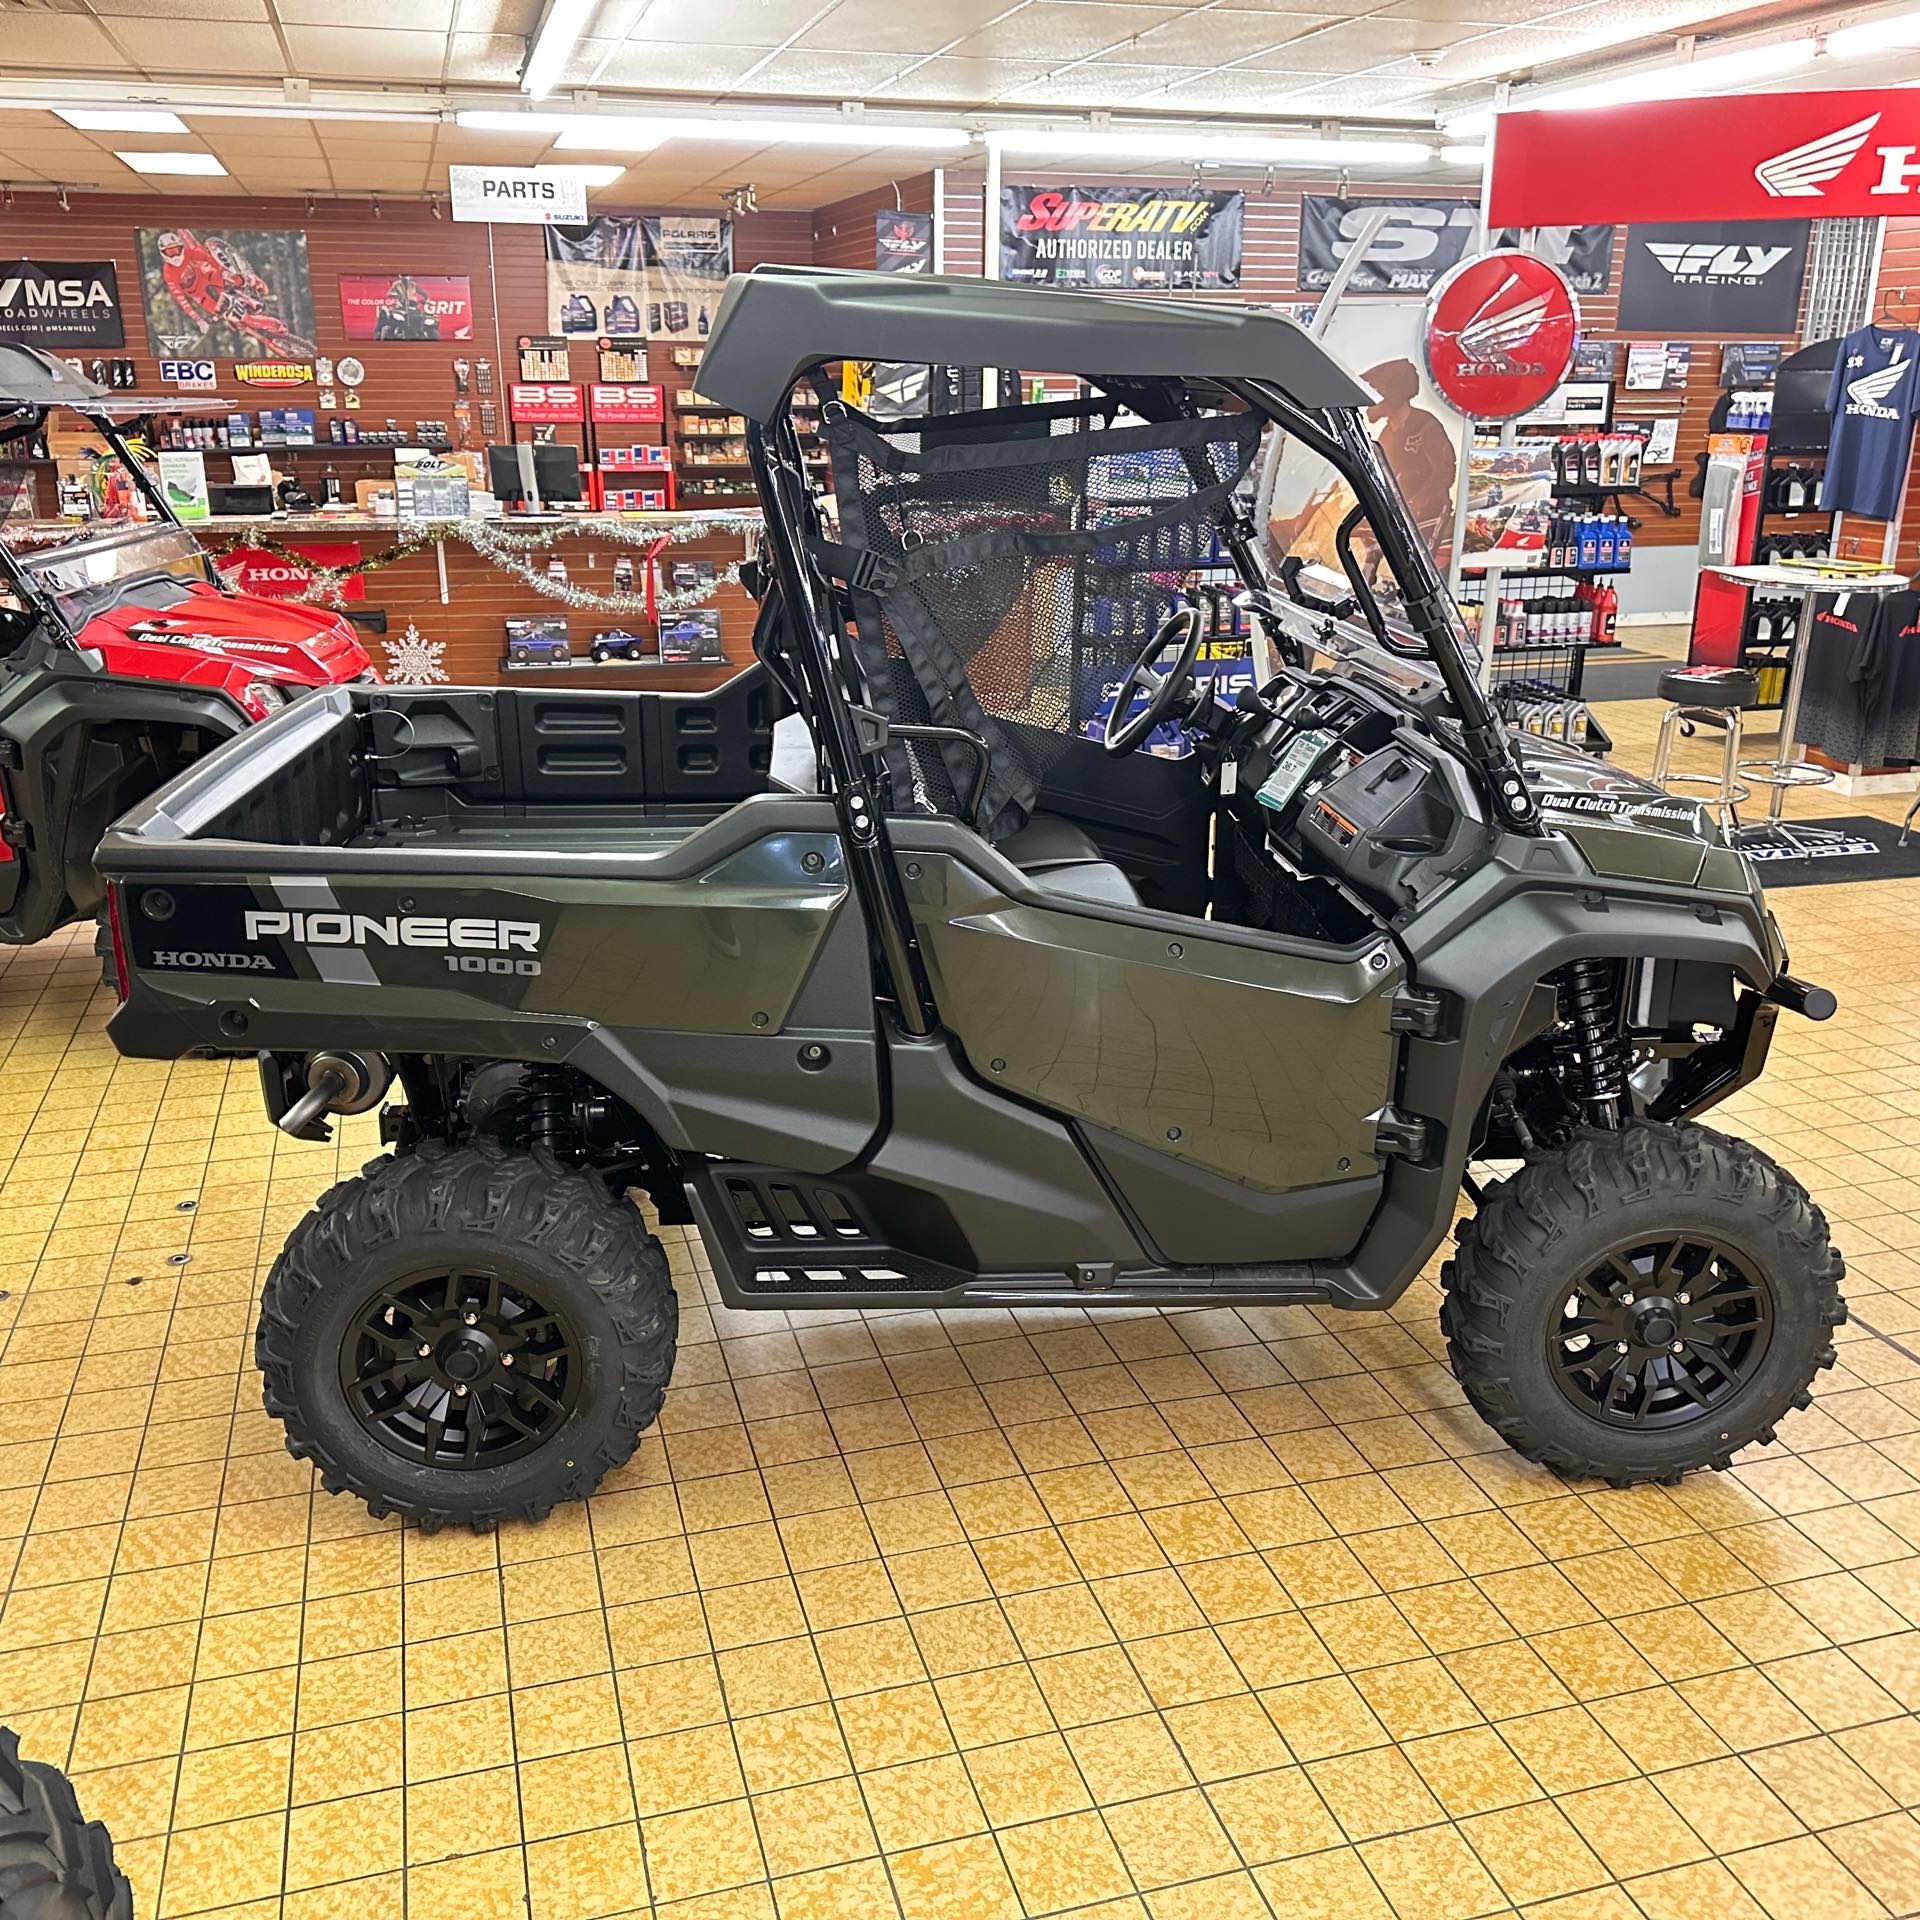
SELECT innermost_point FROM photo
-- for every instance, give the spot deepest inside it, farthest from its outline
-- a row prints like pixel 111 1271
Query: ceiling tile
pixel 61 42
pixel 886 26
pixel 366 53
pixel 688 66
pixel 825 74
pixel 175 10
pixel 963 78
pixel 1214 41
pixel 485 58
pixel 722 23
pixel 190 46
pixel 1049 32
pixel 497 16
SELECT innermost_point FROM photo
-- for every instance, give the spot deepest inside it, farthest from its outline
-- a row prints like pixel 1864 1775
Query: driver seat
pixel 1057 855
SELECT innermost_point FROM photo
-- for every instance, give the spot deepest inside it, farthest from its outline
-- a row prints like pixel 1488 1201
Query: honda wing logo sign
pixel 1803 171
pixel 1868 394
pixel 1853 153
pixel 1715 277
pixel 1499 334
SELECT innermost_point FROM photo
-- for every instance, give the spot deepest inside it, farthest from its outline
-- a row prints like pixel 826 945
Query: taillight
pixel 119 939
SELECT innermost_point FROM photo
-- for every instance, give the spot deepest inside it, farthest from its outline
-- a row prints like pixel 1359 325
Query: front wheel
pixel 473 1335
pixel 1642 1303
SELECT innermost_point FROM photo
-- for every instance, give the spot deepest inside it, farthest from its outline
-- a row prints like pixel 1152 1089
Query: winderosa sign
pixel 60 304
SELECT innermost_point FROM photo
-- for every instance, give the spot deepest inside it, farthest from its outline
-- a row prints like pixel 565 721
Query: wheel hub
pixel 1661 1332
pixel 460 1369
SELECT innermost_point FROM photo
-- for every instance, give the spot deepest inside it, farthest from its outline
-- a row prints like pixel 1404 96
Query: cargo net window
pixel 1005 568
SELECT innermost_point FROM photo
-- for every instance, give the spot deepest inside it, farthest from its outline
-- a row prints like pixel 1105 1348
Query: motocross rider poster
pixel 688 261
pixel 596 277
pixel 226 293
pixel 1418 434
pixel 406 306
pixel 1125 239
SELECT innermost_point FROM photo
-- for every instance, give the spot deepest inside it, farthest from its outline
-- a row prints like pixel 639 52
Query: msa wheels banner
pixel 61 304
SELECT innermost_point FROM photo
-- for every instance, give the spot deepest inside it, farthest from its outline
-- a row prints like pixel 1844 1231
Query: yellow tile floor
pixel 1192 1616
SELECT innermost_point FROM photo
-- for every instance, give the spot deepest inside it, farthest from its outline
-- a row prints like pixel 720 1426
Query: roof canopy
pixel 31 378
pixel 776 322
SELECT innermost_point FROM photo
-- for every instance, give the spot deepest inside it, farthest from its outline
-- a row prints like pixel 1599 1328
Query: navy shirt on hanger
pixel 1872 398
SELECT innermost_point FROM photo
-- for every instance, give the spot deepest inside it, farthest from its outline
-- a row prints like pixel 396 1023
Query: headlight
pixel 262 697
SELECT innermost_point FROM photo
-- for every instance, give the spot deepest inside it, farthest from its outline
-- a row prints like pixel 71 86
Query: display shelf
pixel 591 665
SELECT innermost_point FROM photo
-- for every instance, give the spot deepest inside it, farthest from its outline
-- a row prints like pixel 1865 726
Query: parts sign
pixel 519 196
pixel 1819 155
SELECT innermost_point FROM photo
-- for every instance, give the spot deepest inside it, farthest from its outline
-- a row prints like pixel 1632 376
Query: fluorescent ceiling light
pixel 553 45
pixel 487 120
pixel 200 163
pixel 1875 36
pixel 1468 126
pixel 594 176
pixel 1717 74
pixel 1463 156
pixel 614 133
pixel 1142 144
pixel 122 119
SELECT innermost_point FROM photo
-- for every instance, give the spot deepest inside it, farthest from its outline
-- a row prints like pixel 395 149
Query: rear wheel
pixel 54 1865
pixel 473 1335
pixel 1642 1303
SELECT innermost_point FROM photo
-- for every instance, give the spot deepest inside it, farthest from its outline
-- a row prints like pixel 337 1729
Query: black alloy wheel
pixel 460 1369
pixel 1661 1332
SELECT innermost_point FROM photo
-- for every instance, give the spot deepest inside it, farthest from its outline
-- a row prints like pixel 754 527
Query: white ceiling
pixel 1356 61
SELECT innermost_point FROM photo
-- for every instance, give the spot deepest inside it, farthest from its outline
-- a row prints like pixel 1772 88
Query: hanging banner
pixel 406 306
pixel 518 196
pixel 61 304
pixel 1714 276
pixel 1124 238
pixel 688 261
pixel 227 293
pixel 902 242
pixel 1419 435
pixel 1818 154
pixel 596 277
pixel 1423 239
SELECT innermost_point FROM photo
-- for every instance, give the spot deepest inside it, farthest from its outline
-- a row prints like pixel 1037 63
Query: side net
pixel 1006 567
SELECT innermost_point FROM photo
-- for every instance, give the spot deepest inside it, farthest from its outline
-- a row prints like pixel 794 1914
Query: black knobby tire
pixel 1534 1234
pixel 584 1254
pixel 54 1865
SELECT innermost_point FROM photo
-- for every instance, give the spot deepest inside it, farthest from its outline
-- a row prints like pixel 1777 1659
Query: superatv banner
pixel 61 304
pixel 1714 276
pixel 596 277
pixel 226 293
pixel 406 306
pixel 1121 237
pixel 688 261
pixel 1420 240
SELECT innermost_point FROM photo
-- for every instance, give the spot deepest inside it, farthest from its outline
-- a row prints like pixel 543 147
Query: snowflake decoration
pixel 414 661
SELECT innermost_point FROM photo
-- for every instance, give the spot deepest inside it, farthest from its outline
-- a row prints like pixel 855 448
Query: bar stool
pixel 1708 697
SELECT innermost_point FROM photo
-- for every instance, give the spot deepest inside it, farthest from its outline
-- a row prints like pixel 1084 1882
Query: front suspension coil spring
pixel 549 1110
pixel 1596 1054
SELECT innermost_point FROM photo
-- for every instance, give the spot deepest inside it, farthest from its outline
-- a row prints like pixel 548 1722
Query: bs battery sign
pixel 61 304
pixel 544 403
pixel 1499 334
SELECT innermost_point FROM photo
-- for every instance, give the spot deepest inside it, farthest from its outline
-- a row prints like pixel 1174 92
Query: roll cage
pixel 1165 361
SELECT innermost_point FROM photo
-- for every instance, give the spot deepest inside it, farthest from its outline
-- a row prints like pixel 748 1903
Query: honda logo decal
pixel 1499 334
pixel 1805 170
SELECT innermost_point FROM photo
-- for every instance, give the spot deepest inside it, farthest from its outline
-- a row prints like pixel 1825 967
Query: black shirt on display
pixel 1860 701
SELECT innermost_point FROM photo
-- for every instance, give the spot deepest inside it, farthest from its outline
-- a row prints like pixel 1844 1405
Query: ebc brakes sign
pixel 301 929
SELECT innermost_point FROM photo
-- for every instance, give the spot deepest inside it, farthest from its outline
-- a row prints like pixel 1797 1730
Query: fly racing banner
pixel 1122 238
pixel 1714 277
pixel 1418 240
pixel 902 242
pixel 61 304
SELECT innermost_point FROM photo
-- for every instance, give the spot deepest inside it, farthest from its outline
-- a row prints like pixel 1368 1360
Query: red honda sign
pixel 1767 156
pixel 273 577
pixel 535 403
pixel 1499 334
pixel 626 406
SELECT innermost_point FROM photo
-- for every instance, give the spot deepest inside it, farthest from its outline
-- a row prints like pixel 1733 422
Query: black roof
pixel 30 378
pixel 776 322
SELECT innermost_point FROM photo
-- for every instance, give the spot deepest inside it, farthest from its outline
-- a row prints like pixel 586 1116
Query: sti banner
pixel 1124 238
pixel 1811 155
pixel 1423 239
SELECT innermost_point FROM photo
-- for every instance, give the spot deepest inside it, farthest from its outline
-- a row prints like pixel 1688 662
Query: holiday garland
pixel 512 551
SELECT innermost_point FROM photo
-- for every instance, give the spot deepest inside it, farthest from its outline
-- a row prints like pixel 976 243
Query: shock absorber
pixel 549 1111
pixel 1594 1052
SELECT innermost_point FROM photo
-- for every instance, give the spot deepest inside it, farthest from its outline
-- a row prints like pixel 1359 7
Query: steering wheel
pixel 1125 731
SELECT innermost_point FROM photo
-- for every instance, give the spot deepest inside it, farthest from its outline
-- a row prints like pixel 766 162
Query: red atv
pixel 123 655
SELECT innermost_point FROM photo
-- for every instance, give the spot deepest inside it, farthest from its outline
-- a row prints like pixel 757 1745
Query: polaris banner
pixel 61 304
pixel 1124 238
pixel 1421 239
pixel 902 242
pixel 1714 277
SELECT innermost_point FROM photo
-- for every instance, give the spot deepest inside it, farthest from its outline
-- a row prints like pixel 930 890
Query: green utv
pixel 969 1001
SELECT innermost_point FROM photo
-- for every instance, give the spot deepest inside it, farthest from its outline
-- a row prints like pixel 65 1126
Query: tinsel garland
pixel 510 549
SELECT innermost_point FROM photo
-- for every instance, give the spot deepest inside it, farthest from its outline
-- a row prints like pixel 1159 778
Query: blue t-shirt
pixel 1872 398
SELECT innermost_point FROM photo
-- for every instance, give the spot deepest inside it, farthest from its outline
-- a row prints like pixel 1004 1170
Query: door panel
pixel 1258 1065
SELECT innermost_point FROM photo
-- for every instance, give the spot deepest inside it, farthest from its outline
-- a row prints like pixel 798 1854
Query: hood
pixel 1625 826
pixel 274 639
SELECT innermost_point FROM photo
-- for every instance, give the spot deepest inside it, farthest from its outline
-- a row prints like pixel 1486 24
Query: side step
pixel 780 1238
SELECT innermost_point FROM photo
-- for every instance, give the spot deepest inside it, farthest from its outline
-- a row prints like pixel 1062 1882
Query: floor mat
pixel 1871 851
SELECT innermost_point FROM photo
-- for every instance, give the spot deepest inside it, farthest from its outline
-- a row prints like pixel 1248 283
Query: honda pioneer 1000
pixel 123 654
pixel 980 1005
